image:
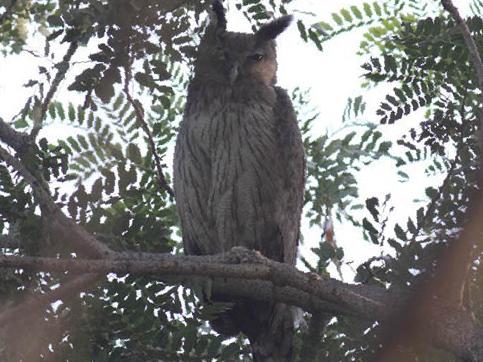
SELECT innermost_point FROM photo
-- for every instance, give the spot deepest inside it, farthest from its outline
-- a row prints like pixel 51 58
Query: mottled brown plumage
pixel 239 170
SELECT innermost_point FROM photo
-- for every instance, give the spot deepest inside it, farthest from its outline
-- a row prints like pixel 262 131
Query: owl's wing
pixel 191 185
pixel 293 172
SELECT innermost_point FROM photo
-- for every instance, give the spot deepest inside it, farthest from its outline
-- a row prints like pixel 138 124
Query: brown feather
pixel 239 177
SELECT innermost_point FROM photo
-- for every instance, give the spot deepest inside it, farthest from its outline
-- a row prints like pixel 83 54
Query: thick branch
pixel 364 301
pixel 260 280
pixel 264 279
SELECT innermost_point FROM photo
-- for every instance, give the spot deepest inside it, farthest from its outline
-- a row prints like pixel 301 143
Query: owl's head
pixel 228 58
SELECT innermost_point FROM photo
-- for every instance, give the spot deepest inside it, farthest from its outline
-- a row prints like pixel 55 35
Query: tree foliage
pixel 128 92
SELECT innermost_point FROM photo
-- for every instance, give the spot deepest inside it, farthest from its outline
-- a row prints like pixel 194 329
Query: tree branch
pixel 241 272
pixel 363 300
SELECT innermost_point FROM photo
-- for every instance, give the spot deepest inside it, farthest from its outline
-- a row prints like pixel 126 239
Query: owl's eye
pixel 256 57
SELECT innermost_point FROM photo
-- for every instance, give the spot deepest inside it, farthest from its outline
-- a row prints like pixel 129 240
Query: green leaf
pixel 105 91
pixel 55 20
pixel 96 191
pixel 44 145
pixel 71 112
pixel 346 15
pixel 432 193
pixel 411 227
pixel 377 9
pixel 337 18
pixel 372 204
pixel 229 351
pixel 355 10
pixel 302 31
pixel 325 251
pixel 20 123
pixel 400 233
pixel 367 9
pixel 134 154
pixel 373 233
pixel 325 26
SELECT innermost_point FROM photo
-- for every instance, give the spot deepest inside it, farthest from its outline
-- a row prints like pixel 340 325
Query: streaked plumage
pixel 239 170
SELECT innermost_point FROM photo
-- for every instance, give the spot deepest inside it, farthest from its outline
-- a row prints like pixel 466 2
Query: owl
pixel 239 170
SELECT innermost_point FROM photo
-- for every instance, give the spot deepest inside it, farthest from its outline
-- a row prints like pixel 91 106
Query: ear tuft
pixel 274 28
pixel 219 13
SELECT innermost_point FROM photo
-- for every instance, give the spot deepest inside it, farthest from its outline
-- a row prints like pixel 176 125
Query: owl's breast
pixel 230 160
pixel 224 117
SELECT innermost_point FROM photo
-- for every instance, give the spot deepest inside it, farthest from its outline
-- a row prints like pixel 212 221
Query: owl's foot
pixel 242 255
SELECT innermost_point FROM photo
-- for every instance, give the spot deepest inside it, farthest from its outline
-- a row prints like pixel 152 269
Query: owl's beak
pixel 233 72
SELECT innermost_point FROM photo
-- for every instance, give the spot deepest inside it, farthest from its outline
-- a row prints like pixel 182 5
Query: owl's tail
pixel 275 343
pixel 269 328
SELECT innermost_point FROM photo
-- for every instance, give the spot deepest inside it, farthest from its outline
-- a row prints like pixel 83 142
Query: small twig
pixel 62 67
pixel 140 117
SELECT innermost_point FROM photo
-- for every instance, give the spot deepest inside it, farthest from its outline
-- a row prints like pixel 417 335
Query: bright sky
pixel 331 76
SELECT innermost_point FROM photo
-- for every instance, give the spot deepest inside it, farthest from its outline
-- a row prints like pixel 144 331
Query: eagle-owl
pixel 239 170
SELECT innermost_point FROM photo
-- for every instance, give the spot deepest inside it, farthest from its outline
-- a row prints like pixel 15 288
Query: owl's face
pixel 230 58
